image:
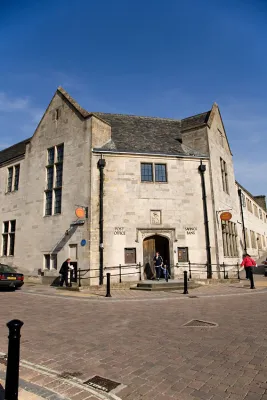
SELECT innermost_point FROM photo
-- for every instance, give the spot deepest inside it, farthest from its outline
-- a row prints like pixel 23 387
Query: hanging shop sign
pixel 226 216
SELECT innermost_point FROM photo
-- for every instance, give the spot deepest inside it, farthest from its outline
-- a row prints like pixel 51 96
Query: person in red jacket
pixel 248 263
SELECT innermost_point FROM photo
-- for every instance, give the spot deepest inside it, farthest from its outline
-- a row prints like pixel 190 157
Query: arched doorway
pixel 152 244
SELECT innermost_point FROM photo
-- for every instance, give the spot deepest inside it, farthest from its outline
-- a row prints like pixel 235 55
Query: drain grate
pixel 103 384
pixel 192 297
pixel 197 323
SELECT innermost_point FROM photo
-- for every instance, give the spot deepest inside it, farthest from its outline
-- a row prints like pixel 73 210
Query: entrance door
pixel 150 246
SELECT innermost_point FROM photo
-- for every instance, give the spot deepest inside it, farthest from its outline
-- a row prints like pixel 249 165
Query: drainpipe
pixel 239 191
pixel 101 165
pixel 202 169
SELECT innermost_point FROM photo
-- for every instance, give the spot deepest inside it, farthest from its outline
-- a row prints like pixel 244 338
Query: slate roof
pixel 131 133
pixel 195 121
pixel 13 152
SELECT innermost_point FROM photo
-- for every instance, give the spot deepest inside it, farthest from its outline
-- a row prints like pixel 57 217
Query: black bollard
pixel 12 370
pixel 185 283
pixel 251 278
pixel 108 285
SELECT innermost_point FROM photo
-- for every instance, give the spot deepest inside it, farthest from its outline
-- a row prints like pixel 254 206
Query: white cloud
pixel 9 104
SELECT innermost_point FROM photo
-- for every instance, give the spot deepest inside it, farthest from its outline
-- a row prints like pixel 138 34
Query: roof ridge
pixel 136 116
pixel 197 115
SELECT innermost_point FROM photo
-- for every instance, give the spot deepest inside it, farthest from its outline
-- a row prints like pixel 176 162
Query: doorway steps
pixel 163 285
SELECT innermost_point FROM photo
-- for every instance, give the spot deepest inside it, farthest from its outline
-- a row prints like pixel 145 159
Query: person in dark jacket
pixel 64 270
pixel 158 262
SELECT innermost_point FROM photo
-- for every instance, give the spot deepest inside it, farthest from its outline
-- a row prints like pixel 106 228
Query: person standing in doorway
pixel 158 262
pixel 248 263
pixel 64 271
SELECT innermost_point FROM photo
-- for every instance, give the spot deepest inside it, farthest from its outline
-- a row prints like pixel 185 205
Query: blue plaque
pixel 83 242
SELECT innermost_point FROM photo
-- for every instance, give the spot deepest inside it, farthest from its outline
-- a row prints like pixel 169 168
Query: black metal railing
pixel 119 271
pixel 223 270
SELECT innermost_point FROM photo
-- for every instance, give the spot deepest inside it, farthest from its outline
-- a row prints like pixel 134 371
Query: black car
pixel 9 278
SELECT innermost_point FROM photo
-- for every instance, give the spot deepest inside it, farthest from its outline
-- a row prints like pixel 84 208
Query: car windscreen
pixel 6 268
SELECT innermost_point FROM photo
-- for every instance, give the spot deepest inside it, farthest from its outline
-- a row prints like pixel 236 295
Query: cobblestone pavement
pixel 142 343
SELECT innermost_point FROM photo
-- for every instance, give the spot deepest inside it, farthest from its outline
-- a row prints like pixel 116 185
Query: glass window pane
pixel 60 153
pixel 12 226
pixel 51 156
pixel 57 209
pixel 48 203
pixel 5 244
pixel 50 177
pixel 6 226
pixel 160 173
pixel 10 179
pixel 47 261
pixel 16 180
pixel 59 171
pixel 146 172
pixel 11 244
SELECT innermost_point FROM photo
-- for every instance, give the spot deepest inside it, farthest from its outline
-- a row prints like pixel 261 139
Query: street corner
pixel 38 382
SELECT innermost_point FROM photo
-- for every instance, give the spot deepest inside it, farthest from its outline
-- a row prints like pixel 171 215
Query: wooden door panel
pixel 149 253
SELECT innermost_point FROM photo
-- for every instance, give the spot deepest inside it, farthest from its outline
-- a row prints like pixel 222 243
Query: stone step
pixel 163 286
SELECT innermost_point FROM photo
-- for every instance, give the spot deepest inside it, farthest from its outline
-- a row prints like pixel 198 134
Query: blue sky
pixel 170 59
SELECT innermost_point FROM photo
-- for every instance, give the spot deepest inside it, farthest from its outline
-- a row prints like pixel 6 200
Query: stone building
pixel 145 184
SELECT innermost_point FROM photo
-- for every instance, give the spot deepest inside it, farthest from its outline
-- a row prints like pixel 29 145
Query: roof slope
pixel 132 133
pixel 195 121
pixel 13 152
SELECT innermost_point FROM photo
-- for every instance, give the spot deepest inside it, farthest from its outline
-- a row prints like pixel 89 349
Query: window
pixel 51 156
pixel 73 252
pixel 146 172
pixel 259 242
pixel 160 173
pixel 8 238
pixel 57 208
pixel 253 240
pixel 54 180
pixel 260 213
pixel 13 178
pixel 229 233
pixel 16 182
pixel 48 202
pixel 249 205
pixel 130 256
pixel 47 261
pixel 59 173
pixel 50 261
pixel 224 176
pixel 256 211
pixel 243 200
pixel 247 238
pixel 183 254
pixel 149 171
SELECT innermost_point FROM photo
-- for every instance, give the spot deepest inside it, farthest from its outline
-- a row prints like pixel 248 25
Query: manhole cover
pixel 100 383
pixel 192 297
pixel 200 324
